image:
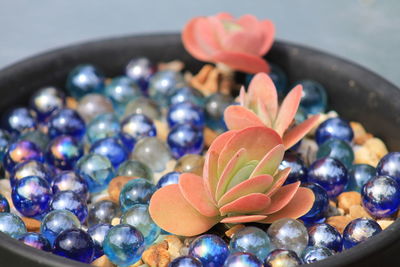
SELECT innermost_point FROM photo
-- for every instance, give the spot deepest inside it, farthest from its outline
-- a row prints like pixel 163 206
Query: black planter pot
pixel 356 93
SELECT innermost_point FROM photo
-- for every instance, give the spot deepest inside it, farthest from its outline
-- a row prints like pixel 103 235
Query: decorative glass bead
pixel 35 240
pixel 242 259
pixel 282 257
pixel 66 122
pixel 123 245
pixel 359 174
pixel 111 148
pixel 11 225
pixel 70 181
pixel 167 179
pixel 190 163
pixel 145 106
pixel 185 261
pixel 63 152
pixel 84 79
pixel 68 200
pixel 325 235
pixel 103 212
pixel 96 170
pixel 31 196
pixel 320 205
pixel 98 233
pixel 329 173
pixel 252 240
pixel 21 151
pixel 29 168
pixel 127 140
pixel 298 170
pixel 300 116
pixel 102 126
pixel 288 234
pixel 153 152
pixel 279 77
pixel 74 244
pixel 185 139
pixel 46 100
pixel 140 70
pixel 359 230
pixel 5 139
pixel 338 149
pixel 37 137
pixel 19 120
pixel 185 113
pixel 186 94
pixel 389 165
pixel 314 98
pixel 313 254
pixel 211 250
pixel 136 191
pixel 162 83
pixel 214 110
pixel 138 216
pixel 4 205
pixel 93 105
pixel 138 126
pixel 334 128
pixel 381 196
pixel 134 168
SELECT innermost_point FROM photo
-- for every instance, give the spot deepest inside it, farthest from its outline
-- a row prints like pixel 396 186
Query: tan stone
pixel 115 221
pixel 206 80
pixel 116 185
pixel 360 134
pixel 358 211
pixel 362 155
pixel 332 203
pixel 162 129
pixel 376 146
pixel 137 264
pixel 385 223
pixel 157 255
pixel 174 246
pixel 103 261
pixel 234 230
pixel 339 222
pixel 175 65
pixel 348 199
pixel 71 103
pixel 209 136
pixel 32 225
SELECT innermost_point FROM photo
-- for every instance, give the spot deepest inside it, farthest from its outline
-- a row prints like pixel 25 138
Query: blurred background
pixel 364 31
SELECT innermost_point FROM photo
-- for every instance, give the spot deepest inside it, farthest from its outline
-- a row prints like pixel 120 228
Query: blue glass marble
pixel 19 120
pixel 57 221
pixel 36 136
pixel 103 211
pixel 298 170
pixel 84 79
pixel 242 259
pixel 4 205
pixel 168 178
pixel 5 139
pixel 102 126
pixel 21 151
pixel 186 94
pixel 138 216
pixel 68 200
pixel 63 152
pixel 162 83
pixel 30 168
pixel 313 254
pixel 214 111
pixel 74 244
pixel 359 230
pixel 111 148
pixel 31 196
pixel 320 205
pixel 381 196
pixel 359 174
pixel 334 128
pixel 98 233
pixel 282 257
pixel 390 165
pixel 186 113
pixel 185 139
pixel 338 149
pixel 325 235
pixel 211 250
pixel 185 261
pixel 252 240
pixel 12 225
pixel 329 173
pixel 121 90
pixel 135 168
pixel 46 100
pixel 70 181
pixel 66 122
pixel 136 191
pixel 140 70
pixel 35 240
pixel 96 170
pixel 314 98
pixel 138 126
pixel 127 141
pixel 123 245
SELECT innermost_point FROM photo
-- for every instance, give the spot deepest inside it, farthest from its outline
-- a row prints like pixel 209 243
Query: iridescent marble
pixel 12 225
pixel 186 94
pixel 123 245
pixel 63 152
pixel 92 105
pixel 314 98
pixel 338 149
pixel 252 240
pixel 46 100
pixel 214 110
pixel 4 205
pixel 5 139
pixel 74 244
pixel 84 79
pixel 30 168
pixel 102 126
pixel 298 170
pixel 145 106
pixel 68 200
pixel 325 235
pixel 162 83
pixel 98 233
pixel 211 250
pixel 31 196
pixel 103 211
pixel 140 70
pixel 136 191
pixel 153 152
pixel 134 168
pixel 334 128
pixel 186 113
pixel 111 148
pixel 66 122
pixel 282 258
pixel 320 206
pixel 359 174
pixel 185 261
pixel 21 151
pixel 288 234
pixel 389 165
pixel 19 120
pixel 313 254
pixel 185 139
pixel 242 259
pixel 35 240
pixel 38 137
pixel 96 170
pixel 167 179
pixel 358 231
pixel 138 126
pixel 70 181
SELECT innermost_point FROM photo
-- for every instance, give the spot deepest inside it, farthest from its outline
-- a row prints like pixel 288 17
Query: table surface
pixel 364 31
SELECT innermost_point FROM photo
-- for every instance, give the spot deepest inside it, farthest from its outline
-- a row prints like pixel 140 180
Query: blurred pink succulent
pixel 238 43
pixel 241 183
pixel 259 107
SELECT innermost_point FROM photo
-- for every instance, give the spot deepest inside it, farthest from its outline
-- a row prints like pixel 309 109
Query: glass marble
pixel 279 77
pixel 214 110
pixel 334 128
pixel 140 70
pixel 46 100
pixel 168 178
pixel 211 250
pixel 4 205
pixel 242 259
pixel 145 106
pixel 92 105
pixel 153 152
pixel 19 120
pixel 138 216
pixel 30 168
pixel 359 174
pixel 21 151
pixel 300 116
pixel 186 94
pixel 389 165
pixel 84 79
pixel 138 126
pixel 282 257
pixel 127 140
pixel 381 196
pixel 185 139
pixel 338 149
pixel 252 240
pixel 162 83
pixel 57 221
pixel 314 98
pixel 123 245
pixel 63 152
pixel 185 261
pixel 325 235
pixel 12 225
pixel 74 244
pixel 102 126
pixel 320 205
pixel 288 234
pixel 70 181
pixel 96 170
pixel 103 211
pixel 186 113
pixel 31 196
pixel 329 173
pixel 98 233
pixel 68 200
pixel 313 254
pixel 111 148
pixel 5 139
pixel 38 137
pixel 134 168
pixel 66 122
pixel 190 163
pixel 298 169
pixel 136 191
pixel 359 230
pixel 35 240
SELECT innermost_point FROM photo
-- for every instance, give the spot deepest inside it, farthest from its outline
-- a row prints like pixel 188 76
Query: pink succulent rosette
pixel 241 183
pixel 259 107
pixel 238 43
